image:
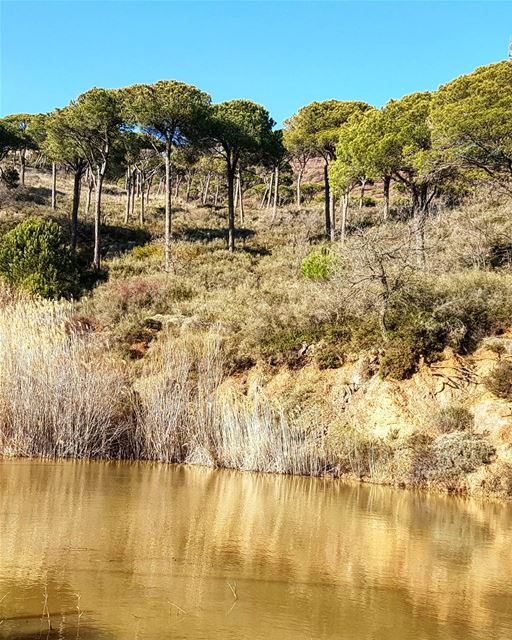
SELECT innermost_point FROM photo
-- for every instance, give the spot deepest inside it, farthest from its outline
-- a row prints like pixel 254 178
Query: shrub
pixel 496 346
pixel 328 355
pixel 317 265
pixel 448 458
pixel 310 190
pixel 10 177
pixel 147 294
pixel 292 346
pixel 35 257
pixel 454 454
pixel 401 357
pixel 452 418
pixel 147 251
pixel 498 481
pixel 499 381
pixel 472 306
pixel 399 361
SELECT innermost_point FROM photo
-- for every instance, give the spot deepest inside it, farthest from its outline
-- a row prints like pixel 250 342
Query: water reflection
pixel 156 551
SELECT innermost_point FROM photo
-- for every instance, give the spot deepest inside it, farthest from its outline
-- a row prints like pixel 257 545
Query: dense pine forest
pixel 184 281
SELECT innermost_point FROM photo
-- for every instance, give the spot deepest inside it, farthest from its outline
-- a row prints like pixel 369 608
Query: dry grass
pixel 186 414
pixel 60 394
pixel 63 395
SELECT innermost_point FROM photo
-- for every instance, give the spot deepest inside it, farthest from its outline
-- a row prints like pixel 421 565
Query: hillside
pixel 274 357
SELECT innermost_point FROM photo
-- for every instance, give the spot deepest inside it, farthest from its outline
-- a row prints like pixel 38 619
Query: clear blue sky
pixel 280 54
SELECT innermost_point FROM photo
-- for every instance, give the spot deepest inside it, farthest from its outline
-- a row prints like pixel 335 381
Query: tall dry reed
pixel 186 414
pixel 63 394
pixel 60 394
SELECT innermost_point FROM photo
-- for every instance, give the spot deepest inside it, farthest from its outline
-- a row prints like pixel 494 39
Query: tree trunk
pixel 133 191
pixel 299 182
pixel 137 183
pixel 361 194
pixel 332 215
pixel 54 185
pixel 216 197
pixel 271 184
pixel 22 167
pixel 419 234
pixel 344 215
pixel 264 197
pixel 128 188
pixel 237 192
pixel 150 184
pixel 97 218
pixel 189 186
pixel 385 210
pixel 90 185
pixel 179 180
pixel 231 207
pixel 327 202
pixel 77 178
pixel 142 201
pixel 167 231
pixel 241 196
pixel 419 213
pixel 276 193
pixel 206 188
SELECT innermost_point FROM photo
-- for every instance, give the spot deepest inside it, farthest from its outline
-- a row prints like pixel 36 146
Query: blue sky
pixel 280 54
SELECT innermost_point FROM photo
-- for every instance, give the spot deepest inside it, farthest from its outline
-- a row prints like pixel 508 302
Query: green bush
pixel 452 418
pixel 317 265
pixel 401 357
pixel 328 355
pixel 35 257
pixel 499 381
pixel 400 361
pixel 146 251
pixel 312 190
pixel 292 346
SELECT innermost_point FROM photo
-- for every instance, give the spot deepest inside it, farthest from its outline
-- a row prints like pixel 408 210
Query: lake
pixel 118 550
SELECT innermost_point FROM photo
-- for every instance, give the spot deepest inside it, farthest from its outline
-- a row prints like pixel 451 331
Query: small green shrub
pixel 317 265
pixel 35 257
pixel 147 251
pixel 288 347
pixel 452 418
pixel 312 190
pixel 499 381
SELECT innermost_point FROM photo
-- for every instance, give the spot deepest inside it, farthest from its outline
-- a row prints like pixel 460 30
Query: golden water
pixel 125 551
